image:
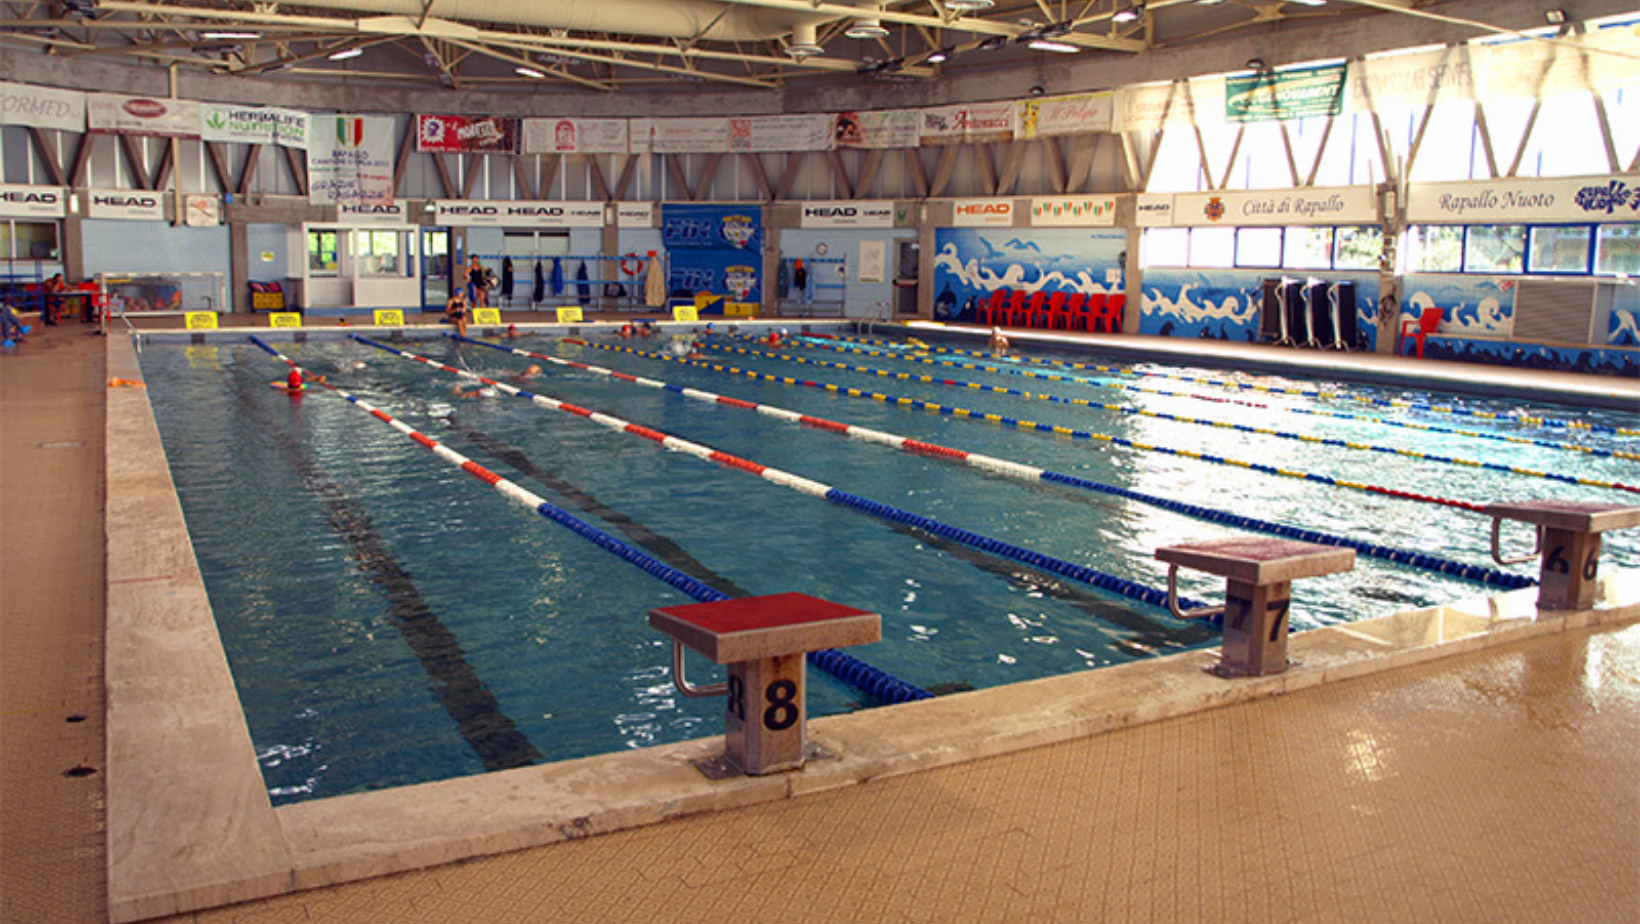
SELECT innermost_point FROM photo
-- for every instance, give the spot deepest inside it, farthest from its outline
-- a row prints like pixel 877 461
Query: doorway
pixel 435 268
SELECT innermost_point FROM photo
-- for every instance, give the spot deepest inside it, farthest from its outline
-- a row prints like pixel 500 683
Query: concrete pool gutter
pixel 190 825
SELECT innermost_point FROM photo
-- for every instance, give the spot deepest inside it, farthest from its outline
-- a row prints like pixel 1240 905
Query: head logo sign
pixel 992 213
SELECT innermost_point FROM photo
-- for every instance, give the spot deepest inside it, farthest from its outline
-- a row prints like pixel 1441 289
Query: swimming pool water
pixel 390 620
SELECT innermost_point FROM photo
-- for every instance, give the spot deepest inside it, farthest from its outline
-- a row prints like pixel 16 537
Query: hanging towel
pixel 583 288
pixel 800 277
pixel 540 285
pixel 507 278
pixel 654 285
pixel 782 280
pixel 557 276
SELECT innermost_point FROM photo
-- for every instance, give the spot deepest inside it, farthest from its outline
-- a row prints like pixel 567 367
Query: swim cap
pixel 294 380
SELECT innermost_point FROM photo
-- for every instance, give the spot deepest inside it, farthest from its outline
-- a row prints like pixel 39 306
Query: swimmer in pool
pixel 527 374
pixel 999 343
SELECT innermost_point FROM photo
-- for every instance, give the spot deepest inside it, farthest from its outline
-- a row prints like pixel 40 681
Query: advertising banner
pixel 350 159
pixel 448 134
pixel 679 136
pixel 42 107
pixel 1288 94
pixel 1154 211
pixel 33 202
pixel 984 122
pixel 518 214
pixel 714 248
pixel 883 128
pixel 1082 114
pixel 575 136
pixel 254 125
pixel 759 134
pixel 848 214
pixel 1342 205
pixel 1409 80
pixel 635 214
pixel 125 205
pixel 1612 197
pixel 1149 107
pixel 110 114
pixel 1073 211
pixel 372 213
pixel 982 213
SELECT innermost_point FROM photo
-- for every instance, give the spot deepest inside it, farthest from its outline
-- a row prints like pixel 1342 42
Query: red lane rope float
pixel 851 345
pixel 1131 589
pixel 1033 425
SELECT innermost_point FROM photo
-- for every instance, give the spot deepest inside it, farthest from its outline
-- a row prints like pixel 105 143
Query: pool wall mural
pixel 1478 318
pixel 970 263
pixel 1225 304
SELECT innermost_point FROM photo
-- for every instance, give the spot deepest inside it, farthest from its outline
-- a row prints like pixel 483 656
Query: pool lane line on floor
pixel 965 413
pixel 1132 589
pixel 1194 421
pixel 1032 474
pixel 909 355
pixel 1549 422
pixel 466 698
pixel 852 670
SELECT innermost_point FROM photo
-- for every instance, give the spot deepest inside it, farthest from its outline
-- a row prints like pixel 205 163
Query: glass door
pixel 435 268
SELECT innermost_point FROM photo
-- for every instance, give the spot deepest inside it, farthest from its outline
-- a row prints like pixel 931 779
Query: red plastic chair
pixel 1420 328
pixel 1094 311
pixel 1113 312
pixel 1037 309
pixel 1057 318
pixel 1016 308
pixel 1074 311
pixel 994 306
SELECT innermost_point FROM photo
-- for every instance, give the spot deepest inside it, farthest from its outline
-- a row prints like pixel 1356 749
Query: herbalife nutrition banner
pixel 350 159
pixel 255 125
pixel 1289 94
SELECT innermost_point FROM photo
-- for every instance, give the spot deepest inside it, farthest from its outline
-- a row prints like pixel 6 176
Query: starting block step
pixel 1254 560
pixel 754 628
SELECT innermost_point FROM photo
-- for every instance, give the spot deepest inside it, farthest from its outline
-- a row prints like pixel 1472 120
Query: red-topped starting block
pixel 1568 539
pixel 763 641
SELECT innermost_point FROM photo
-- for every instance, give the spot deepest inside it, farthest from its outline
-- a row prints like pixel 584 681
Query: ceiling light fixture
pixel 939 57
pixel 1255 64
pixel 1129 13
pixel 969 6
pixel 346 53
pixel 220 34
pixel 863 28
pixel 1063 48
pixel 993 43
pixel 804 41
pixel 1554 17
pixel 529 72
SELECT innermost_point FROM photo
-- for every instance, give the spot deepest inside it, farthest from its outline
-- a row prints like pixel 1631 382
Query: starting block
pixel 1258 592
pixel 763 640
pixel 1568 539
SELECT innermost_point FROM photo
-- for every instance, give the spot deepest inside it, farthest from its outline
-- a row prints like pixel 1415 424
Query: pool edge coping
pixel 189 821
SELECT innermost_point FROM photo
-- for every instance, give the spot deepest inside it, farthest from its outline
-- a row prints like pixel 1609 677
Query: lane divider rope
pixel 872 680
pixel 1031 474
pixel 1108 582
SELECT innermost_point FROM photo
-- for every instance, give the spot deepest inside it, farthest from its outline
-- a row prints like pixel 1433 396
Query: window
pixel 1308 248
pixel 1166 247
pixel 29 240
pixel 1495 249
pixel 1560 250
pixel 1213 247
pixel 1617 250
pixel 321 248
pixel 535 243
pixel 1258 246
pixel 1358 247
pixel 378 252
pixel 1434 249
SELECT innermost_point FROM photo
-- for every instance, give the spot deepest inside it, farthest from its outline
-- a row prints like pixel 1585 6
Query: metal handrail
pixel 682 682
pixel 1206 612
pixel 1497 545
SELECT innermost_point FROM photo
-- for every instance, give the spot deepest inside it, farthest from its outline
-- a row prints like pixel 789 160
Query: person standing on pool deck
pixel 478 281
pixel 455 310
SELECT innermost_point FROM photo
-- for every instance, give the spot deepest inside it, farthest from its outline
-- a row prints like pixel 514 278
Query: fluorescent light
pixel 230 35
pixel 346 53
pixel 1128 13
pixel 1058 47
pixel 938 57
pixel 969 6
pixel 863 28
pixel 529 72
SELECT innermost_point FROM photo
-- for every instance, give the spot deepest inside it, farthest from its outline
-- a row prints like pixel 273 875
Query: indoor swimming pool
pixel 390 619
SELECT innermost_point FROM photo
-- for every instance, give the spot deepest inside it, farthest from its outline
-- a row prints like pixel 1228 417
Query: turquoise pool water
pixel 392 620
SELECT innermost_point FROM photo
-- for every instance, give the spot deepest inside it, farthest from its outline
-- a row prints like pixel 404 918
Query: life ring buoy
pixel 636 264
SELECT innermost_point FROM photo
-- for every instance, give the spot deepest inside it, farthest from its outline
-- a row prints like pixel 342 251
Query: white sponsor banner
pixel 679 136
pixel 518 214
pixel 1073 211
pixel 33 202
pixel 1153 211
pixel 970 122
pixel 982 213
pixel 1409 80
pixel 1535 69
pixel 1343 205
pixel 575 136
pixel 254 125
pixel 1148 107
pixel 42 107
pixel 1082 114
pixel 350 159
pixel 848 214
pixel 635 214
pixel 108 113
pixel 1610 197
pixel 760 134
pixel 125 204
pixel 883 128
pixel 372 213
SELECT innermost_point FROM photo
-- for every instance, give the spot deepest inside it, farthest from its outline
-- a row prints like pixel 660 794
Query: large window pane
pixel 1166 247
pixel 1618 250
pixel 1258 247
pixel 1359 247
pixel 1434 249
pixel 1213 247
pixel 36 240
pixel 322 252
pixel 1495 249
pixel 378 252
pixel 1307 248
pixel 1560 250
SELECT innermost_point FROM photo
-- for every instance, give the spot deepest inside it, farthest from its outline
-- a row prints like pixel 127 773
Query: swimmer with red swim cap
pixel 293 383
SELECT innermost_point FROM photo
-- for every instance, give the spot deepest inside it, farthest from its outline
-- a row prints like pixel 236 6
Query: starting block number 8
pixel 782 712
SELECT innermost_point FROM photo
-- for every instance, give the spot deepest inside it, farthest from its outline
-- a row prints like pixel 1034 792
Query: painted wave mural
pixel 971 263
pixel 1226 304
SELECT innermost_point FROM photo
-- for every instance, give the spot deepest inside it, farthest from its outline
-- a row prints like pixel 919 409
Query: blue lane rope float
pixel 1121 586
pixel 868 679
pixel 1030 474
pixel 1195 421
pixel 863 347
pixel 1017 424
pixel 1527 421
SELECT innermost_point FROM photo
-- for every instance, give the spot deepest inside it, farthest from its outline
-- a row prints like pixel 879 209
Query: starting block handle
pixel 682 683
pixel 1206 612
pixel 1497 545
